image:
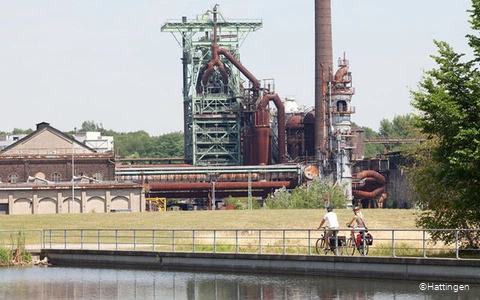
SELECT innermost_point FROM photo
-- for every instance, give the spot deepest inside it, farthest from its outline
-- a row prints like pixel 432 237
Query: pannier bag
pixel 342 241
pixel 368 239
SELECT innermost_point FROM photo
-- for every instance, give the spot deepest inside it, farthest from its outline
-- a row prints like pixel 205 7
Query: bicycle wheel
pixel 341 250
pixel 320 245
pixel 363 249
pixel 351 247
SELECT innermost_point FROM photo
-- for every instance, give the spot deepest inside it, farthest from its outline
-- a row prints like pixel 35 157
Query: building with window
pixel 49 154
pixel 49 171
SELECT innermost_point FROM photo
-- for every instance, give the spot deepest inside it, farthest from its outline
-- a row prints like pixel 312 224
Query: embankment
pixel 425 269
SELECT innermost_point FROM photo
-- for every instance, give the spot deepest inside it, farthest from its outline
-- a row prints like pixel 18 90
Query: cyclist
pixel 333 225
pixel 360 222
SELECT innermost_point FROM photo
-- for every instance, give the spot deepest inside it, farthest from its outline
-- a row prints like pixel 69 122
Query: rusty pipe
pixel 261 137
pixel 372 173
pixel 365 194
pixel 215 61
pixel 340 74
pixel 204 194
pixel 281 121
pixel 179 186
pixel 243 70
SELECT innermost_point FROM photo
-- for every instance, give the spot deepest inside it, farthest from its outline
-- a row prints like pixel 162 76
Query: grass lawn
pixel 407 242
pixel 220 219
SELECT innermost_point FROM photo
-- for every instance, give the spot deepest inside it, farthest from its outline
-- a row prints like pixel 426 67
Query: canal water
pixel 92 283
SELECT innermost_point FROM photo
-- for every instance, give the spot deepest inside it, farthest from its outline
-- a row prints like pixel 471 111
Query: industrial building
pixel 237 128
pixel 48 172
pixel 241 138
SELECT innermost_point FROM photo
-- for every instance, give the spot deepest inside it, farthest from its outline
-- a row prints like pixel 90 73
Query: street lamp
pixel 213 179
pixel 73 171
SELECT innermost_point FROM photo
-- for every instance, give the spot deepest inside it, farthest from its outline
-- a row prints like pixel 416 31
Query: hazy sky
pixel 65 61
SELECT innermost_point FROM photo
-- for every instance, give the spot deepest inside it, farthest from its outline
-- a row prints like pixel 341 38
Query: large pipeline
pixel 215 61
pixel 368 195
pixel 205 194
pixel 372 173
pixel 222 189
pixel 243 70
pixel 179 186
pixel 257 152
pixel 373 186
pixel 280 119
pixel 262 121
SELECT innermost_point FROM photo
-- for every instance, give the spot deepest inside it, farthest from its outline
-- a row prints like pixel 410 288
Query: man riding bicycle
pixel 333 225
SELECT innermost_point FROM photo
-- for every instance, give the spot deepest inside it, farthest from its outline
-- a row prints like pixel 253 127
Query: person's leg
pixel 327 238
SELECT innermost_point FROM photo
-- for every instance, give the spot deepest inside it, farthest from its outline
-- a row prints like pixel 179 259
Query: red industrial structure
pixel 235 143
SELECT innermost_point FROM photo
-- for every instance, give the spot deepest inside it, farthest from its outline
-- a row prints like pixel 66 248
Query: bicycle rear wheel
pixel 320 245
pixel 341 250
pixel 363 249
pixel 341 244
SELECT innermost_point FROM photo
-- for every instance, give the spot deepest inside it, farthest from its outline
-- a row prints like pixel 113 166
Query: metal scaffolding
pixel 213 122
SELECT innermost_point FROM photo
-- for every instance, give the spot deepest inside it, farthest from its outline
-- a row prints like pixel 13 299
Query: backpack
pixel 368 239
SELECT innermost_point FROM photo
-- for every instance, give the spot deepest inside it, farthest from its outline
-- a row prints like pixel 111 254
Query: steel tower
pixel 340 109
pixel 213 95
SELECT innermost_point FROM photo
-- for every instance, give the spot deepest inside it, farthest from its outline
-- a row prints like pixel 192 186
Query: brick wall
pixel 25 167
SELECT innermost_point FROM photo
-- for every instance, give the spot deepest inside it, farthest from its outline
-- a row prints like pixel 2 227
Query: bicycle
pixel 358 243
pixel 341 243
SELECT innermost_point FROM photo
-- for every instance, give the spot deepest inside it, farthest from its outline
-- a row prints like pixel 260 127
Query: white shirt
pixel 331 217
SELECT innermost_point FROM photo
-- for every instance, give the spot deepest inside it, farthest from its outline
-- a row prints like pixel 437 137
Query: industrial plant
pixel 243 139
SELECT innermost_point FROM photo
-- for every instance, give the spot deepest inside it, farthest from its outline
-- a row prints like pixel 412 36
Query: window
pixel 56 177
pixel 341 106
pixel 13 178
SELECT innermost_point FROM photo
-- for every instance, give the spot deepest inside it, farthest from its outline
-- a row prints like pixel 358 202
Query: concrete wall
pixel 57 199
pixel 398 190
pixel 425 269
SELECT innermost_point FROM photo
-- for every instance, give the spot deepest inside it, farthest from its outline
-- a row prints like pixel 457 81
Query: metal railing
pixel 386 242
pixel 30 239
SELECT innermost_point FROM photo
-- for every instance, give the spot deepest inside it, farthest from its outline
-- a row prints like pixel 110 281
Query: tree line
pixel 140 144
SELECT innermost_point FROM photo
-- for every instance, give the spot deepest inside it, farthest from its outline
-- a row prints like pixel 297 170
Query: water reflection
pixel 87 283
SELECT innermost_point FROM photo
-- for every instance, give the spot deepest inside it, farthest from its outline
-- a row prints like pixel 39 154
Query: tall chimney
pixel 323 69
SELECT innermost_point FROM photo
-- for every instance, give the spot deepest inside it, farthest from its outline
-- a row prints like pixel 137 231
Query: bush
pixel 242 202
pixel 5 256
pixel 316 194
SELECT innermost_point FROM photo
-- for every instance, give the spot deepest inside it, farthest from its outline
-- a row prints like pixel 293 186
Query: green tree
pixel 167 145
pixel 22 131
pixel 448 100
pixel 91 126
pixel 139 143
pixel 371 150
pixel 402 127
pixel 132 144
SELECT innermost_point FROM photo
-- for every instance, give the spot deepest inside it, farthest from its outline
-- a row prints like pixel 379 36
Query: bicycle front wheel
pixel 351 246
pixel 320 245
